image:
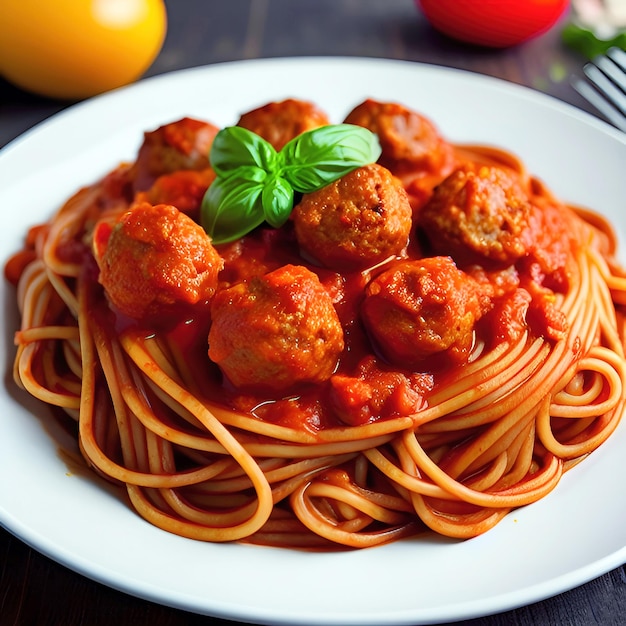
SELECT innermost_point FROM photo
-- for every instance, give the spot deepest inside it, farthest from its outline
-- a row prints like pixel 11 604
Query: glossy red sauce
pixel 367 385
pixel 310 407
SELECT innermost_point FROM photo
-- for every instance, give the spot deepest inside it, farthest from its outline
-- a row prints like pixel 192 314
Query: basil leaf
pixel 255 183
pixel 231 208
pixel 277 199
pixel 320 156
pixel 588 43
pixel 235 147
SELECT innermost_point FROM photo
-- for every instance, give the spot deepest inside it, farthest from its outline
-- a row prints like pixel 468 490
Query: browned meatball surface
pixel 183 189
pixel 480 215
pixel 410 142
pixel 157 257
pixel 279 122
pixel 421 308
pixel 355 222
pixel 181 145
pixel 276 331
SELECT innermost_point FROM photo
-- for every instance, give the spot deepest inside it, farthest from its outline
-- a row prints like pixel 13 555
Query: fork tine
pixel 607 74
pixel 616 72
pixel 606 87
pixel 608 78
pixel 619 57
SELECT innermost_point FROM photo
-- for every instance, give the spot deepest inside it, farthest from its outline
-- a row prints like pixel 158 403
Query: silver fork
pixel 605 87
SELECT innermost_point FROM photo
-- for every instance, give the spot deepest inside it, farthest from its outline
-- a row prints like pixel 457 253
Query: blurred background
pixel 537 44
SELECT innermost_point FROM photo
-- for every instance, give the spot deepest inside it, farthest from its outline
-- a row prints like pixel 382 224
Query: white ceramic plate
pixel 570 537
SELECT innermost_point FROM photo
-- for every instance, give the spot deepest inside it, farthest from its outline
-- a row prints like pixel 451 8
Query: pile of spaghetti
pixel 428 342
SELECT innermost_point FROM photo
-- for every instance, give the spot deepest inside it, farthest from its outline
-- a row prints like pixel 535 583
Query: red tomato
pixel 493 23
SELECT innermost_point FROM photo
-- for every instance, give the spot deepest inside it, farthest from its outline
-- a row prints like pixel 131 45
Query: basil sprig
pixel 256 184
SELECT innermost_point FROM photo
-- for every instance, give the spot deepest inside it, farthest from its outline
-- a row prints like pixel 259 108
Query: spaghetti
pixel 377 449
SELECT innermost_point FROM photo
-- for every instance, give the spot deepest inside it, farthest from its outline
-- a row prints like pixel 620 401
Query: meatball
pixel 183 189
pixel 276 331
pixel 279 122
pixel 355 222
pixel 418 309
pixel 181 145
pixel 156 258
pixel 410 142
pixel 477 216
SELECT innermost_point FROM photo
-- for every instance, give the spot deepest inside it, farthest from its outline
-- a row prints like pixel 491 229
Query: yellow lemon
pixel 72 49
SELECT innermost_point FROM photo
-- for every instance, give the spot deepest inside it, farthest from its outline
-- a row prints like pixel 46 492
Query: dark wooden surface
pixel 35 590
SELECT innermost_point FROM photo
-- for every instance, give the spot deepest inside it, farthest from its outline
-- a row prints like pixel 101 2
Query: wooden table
pixel 34 589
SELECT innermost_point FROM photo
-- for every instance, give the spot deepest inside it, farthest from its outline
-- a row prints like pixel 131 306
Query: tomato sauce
pixel 483 260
